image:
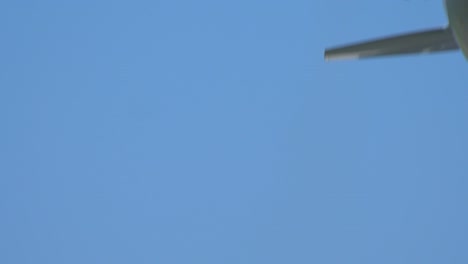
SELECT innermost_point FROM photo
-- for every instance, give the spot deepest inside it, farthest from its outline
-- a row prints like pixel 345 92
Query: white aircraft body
pixel 450 38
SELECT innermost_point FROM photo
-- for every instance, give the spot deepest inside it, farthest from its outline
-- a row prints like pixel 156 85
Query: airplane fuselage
pixel 457 13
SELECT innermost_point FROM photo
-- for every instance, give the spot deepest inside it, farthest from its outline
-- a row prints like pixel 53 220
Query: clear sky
pixel 212 132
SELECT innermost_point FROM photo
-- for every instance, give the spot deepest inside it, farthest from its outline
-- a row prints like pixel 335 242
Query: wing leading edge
pixel 430 41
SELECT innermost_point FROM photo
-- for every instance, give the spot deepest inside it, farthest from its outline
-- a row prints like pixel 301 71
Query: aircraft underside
pixel 449 38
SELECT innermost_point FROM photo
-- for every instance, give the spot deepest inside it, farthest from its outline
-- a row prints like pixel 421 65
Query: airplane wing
pixel 429 41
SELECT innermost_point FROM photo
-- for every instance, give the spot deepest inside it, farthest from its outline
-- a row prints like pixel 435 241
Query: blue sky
pixel 213 132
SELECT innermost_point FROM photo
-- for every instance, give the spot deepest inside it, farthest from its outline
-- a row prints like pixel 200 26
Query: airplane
pixel 452 37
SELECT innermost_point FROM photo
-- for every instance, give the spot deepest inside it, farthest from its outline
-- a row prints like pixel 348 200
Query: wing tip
pixel 325 56
pixel 331 55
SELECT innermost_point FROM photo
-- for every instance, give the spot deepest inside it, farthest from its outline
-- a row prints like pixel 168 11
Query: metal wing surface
pixel 429 41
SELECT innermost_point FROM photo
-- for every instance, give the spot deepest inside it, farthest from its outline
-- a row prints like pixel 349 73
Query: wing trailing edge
pixel 428 41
